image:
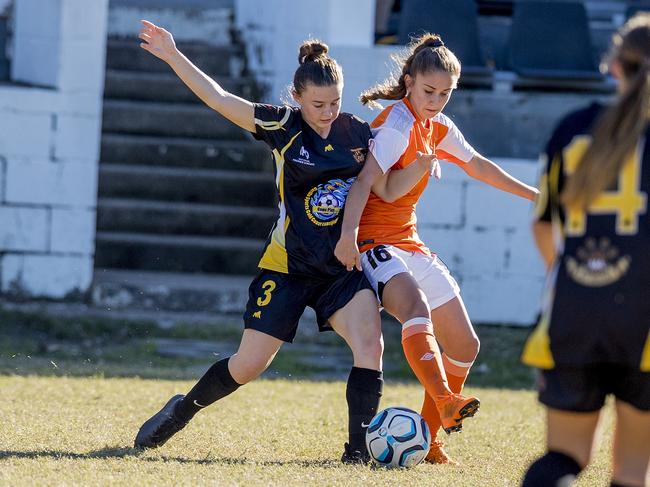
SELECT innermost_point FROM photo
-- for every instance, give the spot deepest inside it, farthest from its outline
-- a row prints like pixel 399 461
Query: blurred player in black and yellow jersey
pixel 318 152
pixel 593 230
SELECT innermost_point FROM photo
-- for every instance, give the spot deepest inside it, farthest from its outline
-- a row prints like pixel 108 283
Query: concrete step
pixel 167 119
pixel 146 291
pixel 180 184
pixel 136 85
pixel 163 217
pixel 126 54
pixel 216 255
pixel 240 155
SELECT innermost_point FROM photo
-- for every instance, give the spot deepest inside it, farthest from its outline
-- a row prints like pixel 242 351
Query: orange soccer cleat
pixel 438 455
pixel 454 408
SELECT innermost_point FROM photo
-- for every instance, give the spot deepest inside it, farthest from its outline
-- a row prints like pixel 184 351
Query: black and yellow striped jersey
pixel 597 301
pixel 313 176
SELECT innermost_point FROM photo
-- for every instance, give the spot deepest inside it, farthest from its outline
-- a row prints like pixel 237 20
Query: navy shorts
pixel 276 301
pixel 584 389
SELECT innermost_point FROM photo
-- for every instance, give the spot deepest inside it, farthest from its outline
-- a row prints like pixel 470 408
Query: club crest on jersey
pixel 359 154
pixel 598 263
pixel 324 202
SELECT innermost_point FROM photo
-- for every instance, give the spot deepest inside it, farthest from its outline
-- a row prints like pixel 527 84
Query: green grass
pixel 78 431
pixel 75 391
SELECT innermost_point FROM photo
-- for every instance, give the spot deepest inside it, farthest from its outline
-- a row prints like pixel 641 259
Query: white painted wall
pixel 50 129
pixel 482 234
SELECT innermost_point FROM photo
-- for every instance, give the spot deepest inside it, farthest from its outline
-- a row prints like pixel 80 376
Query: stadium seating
pixel 442 17
pixel 550 46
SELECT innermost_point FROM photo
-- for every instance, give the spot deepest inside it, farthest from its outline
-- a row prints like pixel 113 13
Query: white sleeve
pixel 455 144
pixel 387 146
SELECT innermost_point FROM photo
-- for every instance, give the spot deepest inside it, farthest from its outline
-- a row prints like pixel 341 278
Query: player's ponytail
pixel 617 133
pixel 316 66
pixel 423 54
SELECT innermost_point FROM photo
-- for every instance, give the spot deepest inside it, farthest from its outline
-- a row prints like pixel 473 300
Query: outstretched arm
pixel 485 170
pixel 160 43
pixel 397 182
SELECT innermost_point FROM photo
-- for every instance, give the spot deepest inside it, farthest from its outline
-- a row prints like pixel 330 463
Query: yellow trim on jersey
pixel 645 356
pixel 275 256
pixel 537 351
pixel 273 125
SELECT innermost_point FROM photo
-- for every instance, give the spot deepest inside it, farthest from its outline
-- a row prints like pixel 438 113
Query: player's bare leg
pixel 403 298
pixel 631 451
pixel 256 352
pixel 359 324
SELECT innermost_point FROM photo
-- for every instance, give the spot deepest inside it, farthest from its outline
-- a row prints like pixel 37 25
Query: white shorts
pixel 383 262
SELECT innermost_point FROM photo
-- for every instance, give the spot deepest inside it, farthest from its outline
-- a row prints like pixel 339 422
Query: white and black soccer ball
pixel 398 437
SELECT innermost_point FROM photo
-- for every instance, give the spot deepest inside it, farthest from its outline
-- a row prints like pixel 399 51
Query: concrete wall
pixel 50 128
pixel 482 234
pixel 205 21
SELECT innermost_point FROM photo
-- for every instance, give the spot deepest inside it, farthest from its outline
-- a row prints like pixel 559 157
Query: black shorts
pixel 583 389
pixel 276 301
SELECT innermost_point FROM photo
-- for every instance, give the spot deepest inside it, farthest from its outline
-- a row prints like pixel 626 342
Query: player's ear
pixel 616 69
pixel 296 96
pixel 409 81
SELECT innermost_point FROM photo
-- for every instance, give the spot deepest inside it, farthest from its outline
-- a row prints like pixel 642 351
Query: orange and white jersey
pixel 398 134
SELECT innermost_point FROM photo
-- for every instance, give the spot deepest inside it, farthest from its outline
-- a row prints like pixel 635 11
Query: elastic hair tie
pixel 437 43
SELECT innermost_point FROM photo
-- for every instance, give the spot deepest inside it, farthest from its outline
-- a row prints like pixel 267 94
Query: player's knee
pixel 246 369
pixel 553 469
pixel 474 346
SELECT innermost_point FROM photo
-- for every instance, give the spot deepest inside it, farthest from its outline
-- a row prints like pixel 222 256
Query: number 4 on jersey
pixel 627 201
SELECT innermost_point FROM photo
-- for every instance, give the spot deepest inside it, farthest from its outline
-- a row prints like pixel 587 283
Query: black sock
pixel 215 384
pixel 553 469
pixel 363 394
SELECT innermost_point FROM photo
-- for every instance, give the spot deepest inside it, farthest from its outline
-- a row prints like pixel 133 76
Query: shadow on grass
pixel 123 452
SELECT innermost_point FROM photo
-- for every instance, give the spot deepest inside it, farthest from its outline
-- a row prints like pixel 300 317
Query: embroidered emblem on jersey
pixel 598 263
pixel 359 154
pixel 329 148
pixel 304 157
pixel 257 314
pixel 324 202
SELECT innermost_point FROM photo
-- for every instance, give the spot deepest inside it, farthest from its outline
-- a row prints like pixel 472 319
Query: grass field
pixel 78 431
pixel 75 393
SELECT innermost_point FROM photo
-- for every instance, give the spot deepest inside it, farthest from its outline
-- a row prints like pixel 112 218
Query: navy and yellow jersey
pixel 597 302
pixel 313 176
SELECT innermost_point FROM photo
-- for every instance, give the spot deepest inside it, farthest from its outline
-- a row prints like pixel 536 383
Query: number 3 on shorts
pixel 380 254
pixel 268 287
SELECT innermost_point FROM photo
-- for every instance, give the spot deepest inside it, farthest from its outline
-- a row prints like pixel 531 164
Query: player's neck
pixel 323 132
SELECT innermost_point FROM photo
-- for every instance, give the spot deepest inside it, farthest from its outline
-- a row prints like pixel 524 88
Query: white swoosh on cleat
pixel 199 405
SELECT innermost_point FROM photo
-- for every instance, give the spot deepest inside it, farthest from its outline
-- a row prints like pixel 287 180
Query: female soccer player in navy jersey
pixel 318 152
pixel 594 335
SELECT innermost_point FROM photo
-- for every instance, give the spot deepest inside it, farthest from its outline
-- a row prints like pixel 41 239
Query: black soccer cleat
pixel 160 427
pixel 350 456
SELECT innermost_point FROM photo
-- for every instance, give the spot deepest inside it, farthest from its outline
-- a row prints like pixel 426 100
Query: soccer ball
pixel 398 437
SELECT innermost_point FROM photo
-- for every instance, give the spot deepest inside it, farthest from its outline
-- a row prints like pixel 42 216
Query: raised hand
pixel 157 41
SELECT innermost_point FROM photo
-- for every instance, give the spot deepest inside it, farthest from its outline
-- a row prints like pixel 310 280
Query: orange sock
pixel 423 355
pixel 456 374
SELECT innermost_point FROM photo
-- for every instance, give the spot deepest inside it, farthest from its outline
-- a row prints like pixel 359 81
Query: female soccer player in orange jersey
pixel 412 283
